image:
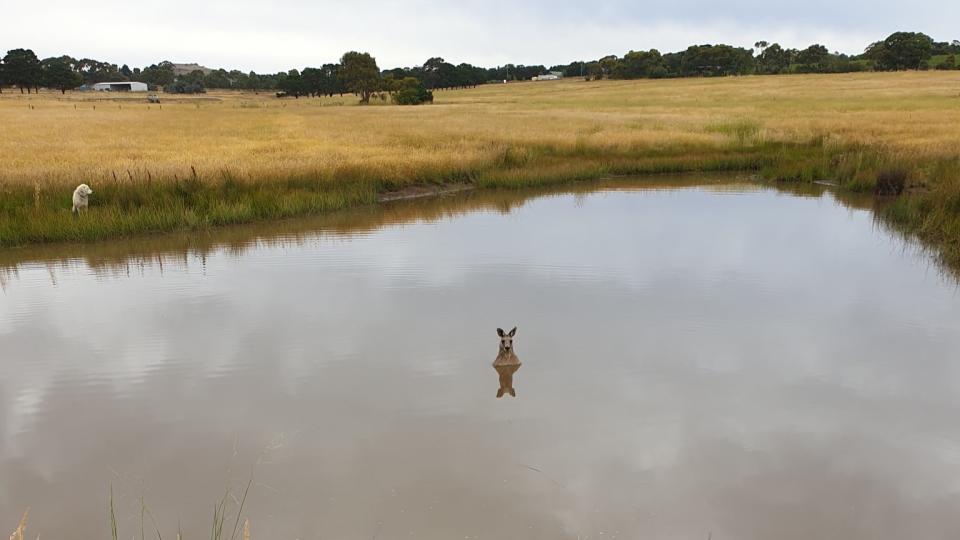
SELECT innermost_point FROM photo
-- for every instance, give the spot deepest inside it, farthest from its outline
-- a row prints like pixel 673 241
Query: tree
pixel 218 78
pixel 608 64
pixel 22 68
pixel 773 59
pixel 291 83
pixel 410 91
pixel 360 74
pixel 438 73
pixel 95 71
pixel 184 87
pixel 238 79
pixel 252 81
pixel 813 59
pixel 716 60
pixel 593 70
pixel 573 69
pixel 60 73
pixel 637 64
pixel 158 74
pixel 196 76
pixel 469 75
pixel 321 81
pixel 332 81
pixel 901 50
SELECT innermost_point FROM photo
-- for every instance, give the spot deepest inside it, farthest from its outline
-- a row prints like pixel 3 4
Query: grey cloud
pixel 295 33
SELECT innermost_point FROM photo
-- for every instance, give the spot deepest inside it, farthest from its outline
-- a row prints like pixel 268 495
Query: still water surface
pixel 699 359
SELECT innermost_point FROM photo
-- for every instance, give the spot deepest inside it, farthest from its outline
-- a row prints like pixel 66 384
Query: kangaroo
pixel 506 379
pixel 506 363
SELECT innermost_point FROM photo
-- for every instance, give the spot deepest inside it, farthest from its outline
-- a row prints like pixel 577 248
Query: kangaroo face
pixel 506 339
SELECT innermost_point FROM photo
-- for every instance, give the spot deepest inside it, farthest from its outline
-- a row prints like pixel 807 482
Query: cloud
pixel 269 37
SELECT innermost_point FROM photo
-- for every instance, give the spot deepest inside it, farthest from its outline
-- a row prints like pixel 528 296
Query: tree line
pixel 357 73
pixel 899 51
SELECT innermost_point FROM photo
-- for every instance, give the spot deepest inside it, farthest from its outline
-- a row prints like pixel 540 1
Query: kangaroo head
pixel 506 339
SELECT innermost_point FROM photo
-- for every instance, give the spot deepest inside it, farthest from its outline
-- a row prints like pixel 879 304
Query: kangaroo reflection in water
pixel 506 363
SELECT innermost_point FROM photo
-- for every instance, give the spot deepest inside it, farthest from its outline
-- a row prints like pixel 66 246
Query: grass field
pixel 230 157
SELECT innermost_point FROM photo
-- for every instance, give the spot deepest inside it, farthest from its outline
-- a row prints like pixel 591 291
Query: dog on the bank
pixel 81 198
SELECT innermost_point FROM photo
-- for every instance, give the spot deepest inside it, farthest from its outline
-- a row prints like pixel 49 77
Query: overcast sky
pixel 270 36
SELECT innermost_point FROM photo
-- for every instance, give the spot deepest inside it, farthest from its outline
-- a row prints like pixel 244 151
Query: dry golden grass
pixel 49 138
pixel 236 157
pixel 21 528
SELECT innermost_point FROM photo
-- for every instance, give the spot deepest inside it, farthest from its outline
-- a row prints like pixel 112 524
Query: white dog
pixel 81 198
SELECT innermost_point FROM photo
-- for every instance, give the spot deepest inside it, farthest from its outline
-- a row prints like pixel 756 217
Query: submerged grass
pixel 20 531
pixel 233 158
pixel 220 512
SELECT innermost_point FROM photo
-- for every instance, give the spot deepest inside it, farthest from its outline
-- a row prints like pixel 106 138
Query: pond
pixel 700 359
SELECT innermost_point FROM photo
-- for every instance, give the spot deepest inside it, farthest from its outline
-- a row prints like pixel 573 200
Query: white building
pixel 547 77
pixel 124 86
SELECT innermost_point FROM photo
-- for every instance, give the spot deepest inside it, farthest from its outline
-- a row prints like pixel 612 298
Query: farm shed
pixel 123 86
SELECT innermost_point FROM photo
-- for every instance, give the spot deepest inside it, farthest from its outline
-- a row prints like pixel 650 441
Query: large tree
pixel 438 73
pixel 158 74
pixel 814 59
pixel 95 71
pixel 640 64
pixel 410 91
pixel 774 59
pixel 314 81
pixel 22 68
pixel 360 74
pixel 218 78
pixel 292 83
pixel 715 60
pixel 901 50
pixel 60 73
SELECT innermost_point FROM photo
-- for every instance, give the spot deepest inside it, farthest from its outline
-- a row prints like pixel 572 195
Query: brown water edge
pixel 420 192
pixel 125 254
pixel 415 204
pixel 407 206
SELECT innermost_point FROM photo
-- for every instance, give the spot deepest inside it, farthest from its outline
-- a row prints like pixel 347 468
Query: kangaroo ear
pixel 500 332
pixel 500 393
pixel 513 332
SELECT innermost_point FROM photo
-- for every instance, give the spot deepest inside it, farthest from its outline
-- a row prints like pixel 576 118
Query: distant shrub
pixel 891 182
pixel 181 87
pixel 411 91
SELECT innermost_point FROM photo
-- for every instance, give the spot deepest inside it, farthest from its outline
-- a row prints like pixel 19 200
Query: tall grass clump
pixel 221 510
pixel 743 131
pixel 21 530
pixel 891 181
